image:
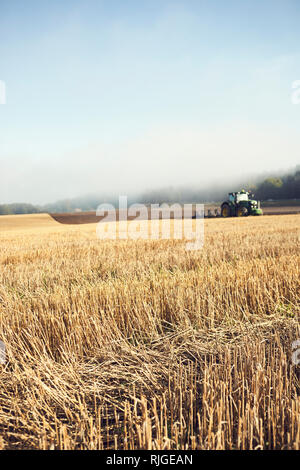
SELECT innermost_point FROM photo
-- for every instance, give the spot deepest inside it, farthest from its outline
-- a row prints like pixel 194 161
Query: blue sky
pixel 132 95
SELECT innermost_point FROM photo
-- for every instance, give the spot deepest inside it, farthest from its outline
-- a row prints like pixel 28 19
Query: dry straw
pixel 143 345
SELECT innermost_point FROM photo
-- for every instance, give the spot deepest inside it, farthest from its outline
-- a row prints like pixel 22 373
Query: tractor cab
pixel 237 197
pixel 242 197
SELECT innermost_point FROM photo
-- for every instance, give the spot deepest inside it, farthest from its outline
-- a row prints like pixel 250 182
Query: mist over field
pixel 281 187
pixel 177 161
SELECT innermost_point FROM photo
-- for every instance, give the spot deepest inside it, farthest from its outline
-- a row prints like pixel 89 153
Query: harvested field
pixel 26 221
pixel 122 344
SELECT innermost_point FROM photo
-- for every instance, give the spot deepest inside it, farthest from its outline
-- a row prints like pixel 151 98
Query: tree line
pixel 287 187
pixel 270 188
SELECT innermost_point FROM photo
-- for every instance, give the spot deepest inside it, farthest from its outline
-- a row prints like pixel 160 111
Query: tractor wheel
pixel 225 211
pixel 242 211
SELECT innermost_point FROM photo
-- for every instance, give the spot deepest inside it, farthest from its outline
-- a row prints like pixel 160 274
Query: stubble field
pixel 144 345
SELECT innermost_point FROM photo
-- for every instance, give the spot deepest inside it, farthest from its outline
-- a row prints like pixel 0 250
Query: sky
pixel 126 95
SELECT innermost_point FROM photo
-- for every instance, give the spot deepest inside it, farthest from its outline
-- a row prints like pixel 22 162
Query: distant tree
pixel 18 208
pixel 270 188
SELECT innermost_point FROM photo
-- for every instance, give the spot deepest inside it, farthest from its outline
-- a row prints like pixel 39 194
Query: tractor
pixel 240 204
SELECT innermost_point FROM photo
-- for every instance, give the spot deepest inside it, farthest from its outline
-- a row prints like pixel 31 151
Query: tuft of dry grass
pixel 121 344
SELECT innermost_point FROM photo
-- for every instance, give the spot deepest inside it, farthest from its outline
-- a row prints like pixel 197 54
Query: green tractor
pixel 240 204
